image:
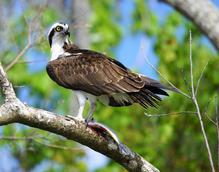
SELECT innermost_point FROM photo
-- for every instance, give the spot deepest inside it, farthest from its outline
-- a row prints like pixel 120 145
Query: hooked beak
pixel 67 33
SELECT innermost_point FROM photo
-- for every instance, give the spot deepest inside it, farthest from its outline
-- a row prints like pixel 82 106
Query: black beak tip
pixel 67 33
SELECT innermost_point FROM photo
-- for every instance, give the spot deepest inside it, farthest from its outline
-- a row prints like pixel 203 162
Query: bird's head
pixel 58 34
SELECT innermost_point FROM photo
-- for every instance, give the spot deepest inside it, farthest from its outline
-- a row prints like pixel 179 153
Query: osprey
pixel 94 76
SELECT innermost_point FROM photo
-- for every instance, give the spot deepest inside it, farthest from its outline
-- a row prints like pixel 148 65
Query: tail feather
pixel 137 99
pixel 146 96
pixel 156 90
pixel 157 84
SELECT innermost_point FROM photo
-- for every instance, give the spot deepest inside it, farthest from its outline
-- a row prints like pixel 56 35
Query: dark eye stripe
pixel 51 34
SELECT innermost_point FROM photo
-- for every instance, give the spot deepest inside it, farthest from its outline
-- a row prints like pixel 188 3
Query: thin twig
pixel 170 83
pixel 194 99
pixel 36 140
pixel 207 106
pixel 171 113
pixel 200 78
pixel 32 61
pixel 206 114
pixel 211 120
pixel 32 27
pixel 23 51
pixel 186 84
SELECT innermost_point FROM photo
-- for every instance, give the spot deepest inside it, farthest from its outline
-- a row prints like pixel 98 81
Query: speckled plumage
pixel 93 75
pixel 99 75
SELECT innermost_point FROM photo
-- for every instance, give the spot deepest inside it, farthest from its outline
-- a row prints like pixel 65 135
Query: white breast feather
pixel 56 50
pixel 57 47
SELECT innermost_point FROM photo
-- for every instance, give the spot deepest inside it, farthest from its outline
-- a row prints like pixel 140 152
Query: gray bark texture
pixel 14 111
pixel 203 13
pixel 81 13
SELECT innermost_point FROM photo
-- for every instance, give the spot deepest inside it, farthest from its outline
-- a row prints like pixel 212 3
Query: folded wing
pixel 100 75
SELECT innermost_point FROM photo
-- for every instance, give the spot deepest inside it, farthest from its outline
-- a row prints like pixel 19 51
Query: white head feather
pixel 57 38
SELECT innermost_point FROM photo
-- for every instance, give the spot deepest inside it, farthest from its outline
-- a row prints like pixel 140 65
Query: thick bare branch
pixel 6 86
pixel 204 14
pixel 15 111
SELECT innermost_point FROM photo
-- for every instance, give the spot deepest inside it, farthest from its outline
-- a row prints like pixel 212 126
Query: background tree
pixel 172 142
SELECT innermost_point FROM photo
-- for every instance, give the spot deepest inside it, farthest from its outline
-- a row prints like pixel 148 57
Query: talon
pixel 88 120
pixel 86 124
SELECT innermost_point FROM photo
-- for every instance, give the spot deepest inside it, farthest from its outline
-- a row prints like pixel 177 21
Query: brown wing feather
pixel 98 74
pixel 94 73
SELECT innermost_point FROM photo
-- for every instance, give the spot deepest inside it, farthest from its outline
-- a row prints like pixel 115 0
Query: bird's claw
pixel 88 120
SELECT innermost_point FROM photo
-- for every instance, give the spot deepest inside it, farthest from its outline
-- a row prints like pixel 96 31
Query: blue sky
pixel 133 48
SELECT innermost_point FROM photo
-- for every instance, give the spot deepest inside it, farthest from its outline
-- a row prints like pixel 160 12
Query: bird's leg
pixel 91 112
pixel 92 101
pixel 81 102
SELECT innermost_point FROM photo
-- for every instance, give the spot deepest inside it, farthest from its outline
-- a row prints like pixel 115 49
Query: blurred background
pixel 132 31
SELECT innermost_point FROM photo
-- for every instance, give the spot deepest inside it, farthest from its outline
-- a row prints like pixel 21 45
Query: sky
pixel 134 48
pixel 131 51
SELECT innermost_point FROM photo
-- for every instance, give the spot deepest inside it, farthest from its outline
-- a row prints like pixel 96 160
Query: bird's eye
pixel 58 28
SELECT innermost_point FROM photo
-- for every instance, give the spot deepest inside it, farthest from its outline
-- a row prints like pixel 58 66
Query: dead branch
pixel 164 78
pixel 194 100
pixel 170 113
pixel 192 97
pixel 32 27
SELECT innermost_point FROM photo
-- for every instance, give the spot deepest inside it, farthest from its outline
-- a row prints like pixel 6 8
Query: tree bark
pixel 203 13
pixel 81 13
pixel 14 111
pixel 57 4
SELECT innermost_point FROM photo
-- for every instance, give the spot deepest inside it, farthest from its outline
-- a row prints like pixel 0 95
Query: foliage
pixel 180 136
pixel 171 143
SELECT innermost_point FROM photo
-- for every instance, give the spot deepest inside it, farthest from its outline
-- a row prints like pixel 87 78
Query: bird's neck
pixel 57 48
pixel 70 47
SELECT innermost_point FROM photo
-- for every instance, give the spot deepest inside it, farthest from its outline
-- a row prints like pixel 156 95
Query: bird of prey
pixel 94 76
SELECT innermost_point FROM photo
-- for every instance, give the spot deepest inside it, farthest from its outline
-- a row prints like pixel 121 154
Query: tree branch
pixel 204 14
pixel 6 86
pixel 15 111
pixel 195 102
